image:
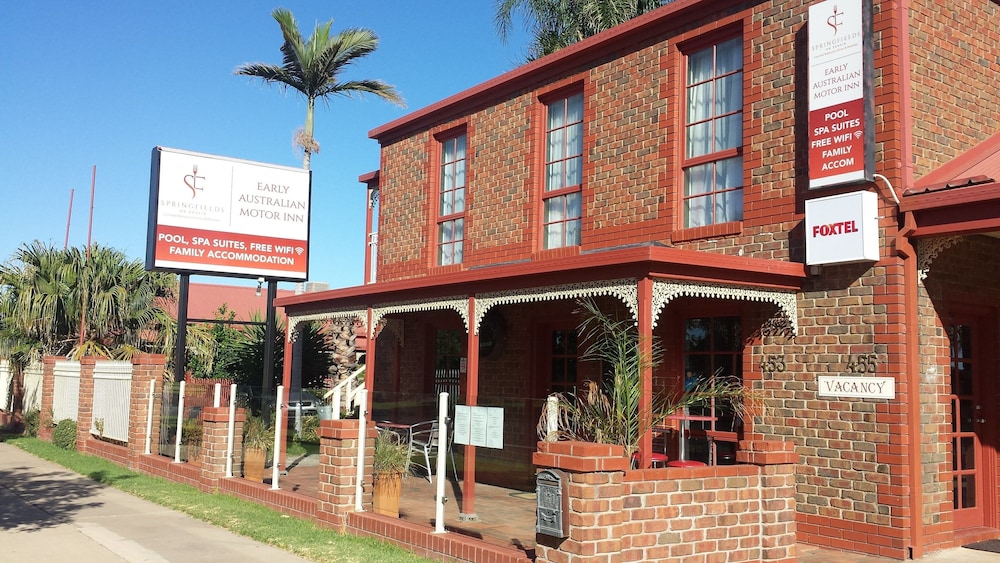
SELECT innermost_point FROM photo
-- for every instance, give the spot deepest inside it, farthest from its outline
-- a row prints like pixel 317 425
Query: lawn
pixel 299 536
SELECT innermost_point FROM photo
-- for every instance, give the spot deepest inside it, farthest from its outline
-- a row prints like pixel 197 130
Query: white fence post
pixel 218 395
pixel 180 423
pixel 149 415
pixel 278 405
pixel 231 434
pixel 442 466
pixel 551 418
pixel 362 439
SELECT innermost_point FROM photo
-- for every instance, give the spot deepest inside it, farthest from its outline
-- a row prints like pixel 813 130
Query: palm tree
pixel 555 24
pixel 313 69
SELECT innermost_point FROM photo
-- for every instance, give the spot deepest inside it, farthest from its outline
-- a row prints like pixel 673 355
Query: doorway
pixel 971 364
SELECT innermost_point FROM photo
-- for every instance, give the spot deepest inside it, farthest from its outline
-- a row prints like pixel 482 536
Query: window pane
pixel 446 203
pixel 729 56
pixel 696 335
pixel 698 212
pixel 729 173
pixel 573 205
pixel 729 132
pixel 460 148
pixel 698 180
pixel 459 205
pixel 574 140
pixel 729 94
pixel 729 206
pixel 554 176
pixel 447 177
pixel 573 171
pixel 445 232
pixel 444 256
pixel 699 139
pixel 554 209
pixel 448 154
pixel 556 112
pixel 699 102
pixel 555 150
pixel 553 235
pixel 573 233
pixel 574 108
pixel 458 252
pixel 700 66
pixel 458 231
pixel 460 173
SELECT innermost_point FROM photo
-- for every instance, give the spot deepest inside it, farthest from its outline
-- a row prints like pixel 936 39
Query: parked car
pixel 304 400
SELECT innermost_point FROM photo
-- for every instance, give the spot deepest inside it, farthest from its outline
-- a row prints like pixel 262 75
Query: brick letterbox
pixel 552 504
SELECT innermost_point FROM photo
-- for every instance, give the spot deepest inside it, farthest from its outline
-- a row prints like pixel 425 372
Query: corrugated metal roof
pixel 978 165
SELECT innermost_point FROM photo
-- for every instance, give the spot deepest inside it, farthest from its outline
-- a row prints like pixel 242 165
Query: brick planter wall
pixel 733 513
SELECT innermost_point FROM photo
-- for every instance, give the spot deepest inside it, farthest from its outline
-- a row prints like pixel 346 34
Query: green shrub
pixel 64 435
pixel 310 428
pixel 32 419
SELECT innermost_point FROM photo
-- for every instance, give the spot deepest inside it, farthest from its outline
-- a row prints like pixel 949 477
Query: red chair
pixel 655 459
pixel 686 463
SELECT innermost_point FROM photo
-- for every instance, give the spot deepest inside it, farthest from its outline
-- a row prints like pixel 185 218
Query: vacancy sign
pixel 222 216
pixel 841 115
pixel 842 228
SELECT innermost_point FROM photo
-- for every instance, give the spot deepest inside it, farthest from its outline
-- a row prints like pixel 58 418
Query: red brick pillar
pixel 596 491
pixel 338 446
pixel 85 406
pixel 214 443
pixel 48 390
pixel 777 461
pixel 146 368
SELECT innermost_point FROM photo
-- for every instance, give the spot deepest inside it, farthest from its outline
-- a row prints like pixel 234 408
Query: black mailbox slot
pixel 552 504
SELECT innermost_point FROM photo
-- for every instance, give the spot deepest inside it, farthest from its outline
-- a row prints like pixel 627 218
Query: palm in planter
pixel 609 412
pixel 389 465
pixel 257 440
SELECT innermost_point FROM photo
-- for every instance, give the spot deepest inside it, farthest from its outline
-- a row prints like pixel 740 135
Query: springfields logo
pixel 191 181
pixel 836 20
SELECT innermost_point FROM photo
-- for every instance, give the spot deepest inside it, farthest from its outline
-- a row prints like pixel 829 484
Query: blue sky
pixel 102 83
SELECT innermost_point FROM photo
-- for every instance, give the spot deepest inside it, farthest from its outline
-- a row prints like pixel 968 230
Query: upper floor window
pixel 563 171
pixel 713 135
pixel 451 206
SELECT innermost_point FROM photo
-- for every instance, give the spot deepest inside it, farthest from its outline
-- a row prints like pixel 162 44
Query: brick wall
pixel 719 513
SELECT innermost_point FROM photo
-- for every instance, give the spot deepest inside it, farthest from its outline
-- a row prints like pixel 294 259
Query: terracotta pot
pixel 385 494
pixel 253 464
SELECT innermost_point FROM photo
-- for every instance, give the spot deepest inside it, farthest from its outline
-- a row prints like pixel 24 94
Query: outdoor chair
pixel 423 438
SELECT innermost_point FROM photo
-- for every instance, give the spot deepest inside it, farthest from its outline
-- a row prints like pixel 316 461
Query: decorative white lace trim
pixel 343 315
pixel 458 304
pixel 664 291
pixel 626 290
pixel 928 250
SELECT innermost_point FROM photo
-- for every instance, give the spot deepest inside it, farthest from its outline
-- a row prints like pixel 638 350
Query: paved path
pixel 48 513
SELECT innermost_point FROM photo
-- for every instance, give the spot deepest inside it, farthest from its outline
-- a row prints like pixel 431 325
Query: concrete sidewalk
pixel 48 513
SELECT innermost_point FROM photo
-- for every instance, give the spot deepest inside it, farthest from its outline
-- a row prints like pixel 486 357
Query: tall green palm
pixel 313 68
pixel 555 24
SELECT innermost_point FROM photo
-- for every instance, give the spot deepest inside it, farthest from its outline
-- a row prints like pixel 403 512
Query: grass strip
pixel 296 535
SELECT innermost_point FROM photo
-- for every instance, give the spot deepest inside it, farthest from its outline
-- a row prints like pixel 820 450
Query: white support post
pixel 336 403
pixel 552 419
pixel 231 433
pixel 278 405
pixel 180 423
pixel 442 466
pixel 218 395
pixel 362 439
pixel 149 415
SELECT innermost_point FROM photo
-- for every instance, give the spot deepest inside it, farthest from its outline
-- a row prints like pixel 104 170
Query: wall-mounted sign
pixel 858 387
pixel 842 228
pixel 841 100
pixel 215 215
pixel 479 426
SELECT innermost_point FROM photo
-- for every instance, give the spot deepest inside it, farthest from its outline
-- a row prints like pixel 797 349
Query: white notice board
pixel 479 426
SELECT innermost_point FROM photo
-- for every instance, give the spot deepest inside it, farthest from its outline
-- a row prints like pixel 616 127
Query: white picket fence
pixel 66 391
pixel 32 386
pixel 112 400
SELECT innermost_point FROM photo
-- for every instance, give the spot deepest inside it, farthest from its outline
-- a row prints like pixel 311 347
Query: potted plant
pixel 257 440
pixel 390 464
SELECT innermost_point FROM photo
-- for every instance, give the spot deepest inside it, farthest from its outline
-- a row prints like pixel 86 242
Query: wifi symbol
pixel 299 250
pixel 857 134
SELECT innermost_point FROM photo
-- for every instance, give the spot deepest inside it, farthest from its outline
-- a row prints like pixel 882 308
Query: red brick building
pixel 662 167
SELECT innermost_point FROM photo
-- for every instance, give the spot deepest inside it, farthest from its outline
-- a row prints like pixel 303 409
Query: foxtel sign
pixel 221 216
pixel 842 228
pixel 841 101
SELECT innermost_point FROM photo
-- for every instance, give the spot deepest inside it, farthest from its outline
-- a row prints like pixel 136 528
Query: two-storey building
pixel 664 168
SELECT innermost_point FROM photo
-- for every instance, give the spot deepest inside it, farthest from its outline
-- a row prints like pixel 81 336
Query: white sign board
pixel 479 426
pixel 842 228
pixel 215 215
pixel 857 387
pixel 841 122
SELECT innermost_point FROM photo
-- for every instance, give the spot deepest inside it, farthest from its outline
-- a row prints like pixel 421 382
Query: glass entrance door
pixel 968 420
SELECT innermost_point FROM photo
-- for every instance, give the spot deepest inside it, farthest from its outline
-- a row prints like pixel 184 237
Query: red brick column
pixel 85 406
pixel 596 492
pixel 338 446
pixel 214 443
pixel 777 462
pixel 145 368
pixel 48 390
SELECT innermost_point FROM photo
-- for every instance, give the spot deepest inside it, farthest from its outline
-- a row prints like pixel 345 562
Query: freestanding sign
pixel 842 228
pixel 222 216
pixel 841 96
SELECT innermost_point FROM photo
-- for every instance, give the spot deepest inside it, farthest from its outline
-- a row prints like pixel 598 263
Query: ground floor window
pixel 713 348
